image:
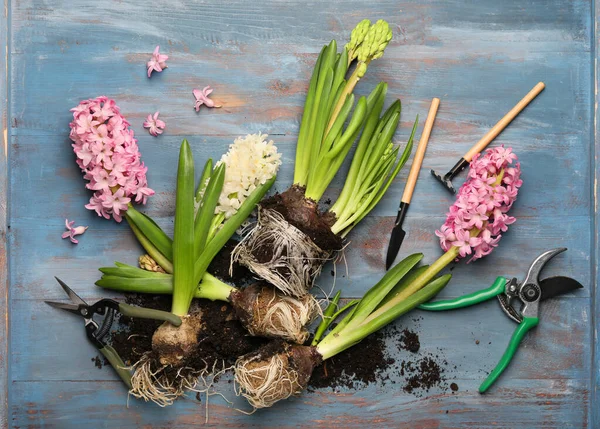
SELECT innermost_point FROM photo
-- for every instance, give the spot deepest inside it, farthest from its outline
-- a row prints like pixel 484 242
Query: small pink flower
pixel 116 202
pixel 96 205
pixel 446 237
pixel 142 195
pixel 155 126
pixel 104 111
pixel 85 123
pixel 84 153
pixel 202 98
pixel 72 232
pixel 102 180
pixel 158 62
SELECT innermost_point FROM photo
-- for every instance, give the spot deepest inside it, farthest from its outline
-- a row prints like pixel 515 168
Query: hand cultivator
pixel 446 179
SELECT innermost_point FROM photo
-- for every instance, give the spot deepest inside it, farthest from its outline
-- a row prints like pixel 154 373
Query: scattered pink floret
pixel 202 98
pixel 158 62
pixel 108 155
pixel 72 232
pixel 482 204
pixel 155 126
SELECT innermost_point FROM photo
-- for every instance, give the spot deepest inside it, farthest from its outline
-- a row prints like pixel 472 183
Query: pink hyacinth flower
pixel 72 232
pixel 155 126
pixel 158 62
pixel 202 98
pixel 477 219
pixel 109 158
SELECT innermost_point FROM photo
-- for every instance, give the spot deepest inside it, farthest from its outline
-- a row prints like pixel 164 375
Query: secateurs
pixel 97 333
pixel 531 291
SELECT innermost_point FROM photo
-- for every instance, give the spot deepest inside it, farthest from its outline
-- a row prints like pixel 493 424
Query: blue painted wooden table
pixel 478 57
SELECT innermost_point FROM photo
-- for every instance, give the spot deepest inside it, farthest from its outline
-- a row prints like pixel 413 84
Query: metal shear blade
pixel 78 305
pixel 538 264
pixel 558 285
pixel 63 306
pixel 532 290
pixel 74 297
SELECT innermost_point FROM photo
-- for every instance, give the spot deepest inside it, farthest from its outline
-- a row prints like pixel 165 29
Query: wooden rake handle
pixel 420 154
pixel 502 123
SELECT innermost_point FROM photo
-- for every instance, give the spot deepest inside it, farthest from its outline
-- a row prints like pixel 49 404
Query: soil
pixel 268 350
pixel 221 340
pixel 422 374
pixel 219 267
pixel 305 215
pixel 100 361
pixel 369 362
pixel 354 368
pixel 410 341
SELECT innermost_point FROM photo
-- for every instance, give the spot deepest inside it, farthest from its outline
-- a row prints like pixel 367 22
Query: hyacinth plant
pixel 224 198
pixel 108 155
pixel 293 239
pixel 473 227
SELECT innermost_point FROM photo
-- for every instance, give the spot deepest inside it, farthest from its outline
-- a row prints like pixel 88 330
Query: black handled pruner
pixel 97 333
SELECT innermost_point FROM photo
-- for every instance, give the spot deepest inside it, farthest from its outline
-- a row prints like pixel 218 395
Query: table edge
pixel 4 164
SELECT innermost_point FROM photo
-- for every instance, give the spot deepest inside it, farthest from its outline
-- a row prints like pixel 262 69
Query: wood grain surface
pixel 479 58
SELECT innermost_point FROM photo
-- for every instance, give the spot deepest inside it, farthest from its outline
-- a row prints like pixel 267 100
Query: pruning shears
pixel 530 292
pixel 97 333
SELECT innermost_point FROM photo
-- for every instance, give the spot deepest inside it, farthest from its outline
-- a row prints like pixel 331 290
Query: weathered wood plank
pixel 4 192
pixel 529 403
pixel 594 414
pixel 271 100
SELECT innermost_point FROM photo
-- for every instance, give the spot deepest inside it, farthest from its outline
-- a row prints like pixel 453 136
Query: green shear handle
pixel 527 324
pixel 117 363
pixel 467 300
pixel 137 312
pixel 475 298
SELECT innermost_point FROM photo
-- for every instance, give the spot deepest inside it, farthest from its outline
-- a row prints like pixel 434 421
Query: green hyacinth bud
pixel 361 69
pixel 386 36
pixel 375 41
pixel 357 36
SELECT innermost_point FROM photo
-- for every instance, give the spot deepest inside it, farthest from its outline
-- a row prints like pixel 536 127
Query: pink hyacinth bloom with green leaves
pixel 108 155
pixel 479 216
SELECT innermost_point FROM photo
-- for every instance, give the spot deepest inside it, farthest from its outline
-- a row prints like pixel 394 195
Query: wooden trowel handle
pixel 420 154
pixel 502 123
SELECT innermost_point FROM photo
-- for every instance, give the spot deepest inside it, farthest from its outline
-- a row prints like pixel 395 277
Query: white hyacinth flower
pixel 250 162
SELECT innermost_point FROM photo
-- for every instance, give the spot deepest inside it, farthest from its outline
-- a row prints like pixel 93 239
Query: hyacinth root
pixel 267 377
pixel 292 261
pixel 266 312
pixel 157 385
